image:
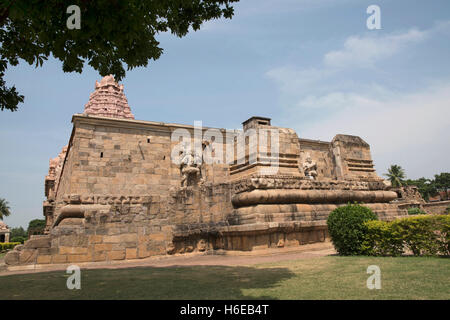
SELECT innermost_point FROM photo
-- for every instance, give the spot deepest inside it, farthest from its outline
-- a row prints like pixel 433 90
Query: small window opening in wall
pixel 164 158
pixel 148 140
pixel 101 154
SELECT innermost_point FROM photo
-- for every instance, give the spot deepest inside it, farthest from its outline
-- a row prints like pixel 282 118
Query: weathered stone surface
pixel 95 239
pixel 103 247
pixel 12 258
pixel 28 256
pixel 72 250
pixel 131 253
pixel 42 242
pixel 74 258
pixel 116 255
pixel 59 258
pixel 44 259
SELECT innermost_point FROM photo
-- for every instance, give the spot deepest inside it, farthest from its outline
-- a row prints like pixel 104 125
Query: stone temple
pixel 115 192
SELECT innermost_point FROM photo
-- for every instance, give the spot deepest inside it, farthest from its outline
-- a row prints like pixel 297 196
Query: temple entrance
pixel 2 238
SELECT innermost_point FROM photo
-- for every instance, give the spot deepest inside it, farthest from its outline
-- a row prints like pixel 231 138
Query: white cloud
pixel 334 100
pixel 406 119
pixel 358 51
pixel 365 51
pixel 408 129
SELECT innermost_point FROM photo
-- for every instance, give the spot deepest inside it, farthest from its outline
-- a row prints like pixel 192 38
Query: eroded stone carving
pixel 310 168
pixel 190 168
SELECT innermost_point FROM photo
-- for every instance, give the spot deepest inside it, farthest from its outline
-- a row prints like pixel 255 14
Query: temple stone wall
pixel 120 159
pixel 440 207
pixel 130 189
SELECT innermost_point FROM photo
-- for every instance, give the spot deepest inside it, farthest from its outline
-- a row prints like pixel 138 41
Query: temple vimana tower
pixel 129 189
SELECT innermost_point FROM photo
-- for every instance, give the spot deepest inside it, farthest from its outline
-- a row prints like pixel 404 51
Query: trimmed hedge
pixel 381 240
pixel 421 235
pixel 347 229
pixel 8 245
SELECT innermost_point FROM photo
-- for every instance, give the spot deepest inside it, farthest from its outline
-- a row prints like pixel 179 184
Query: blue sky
pixel 311 65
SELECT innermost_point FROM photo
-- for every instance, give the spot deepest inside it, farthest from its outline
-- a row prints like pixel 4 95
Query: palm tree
pixel 396 175
pixel 4 209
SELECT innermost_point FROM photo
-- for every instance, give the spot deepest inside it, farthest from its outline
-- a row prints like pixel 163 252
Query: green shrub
pixel 414 211
pixel 4 246
pixel 347 229
pixel 447 210
pixel 381 240
pixel 422 235
pixel 443 223
pixel 418 234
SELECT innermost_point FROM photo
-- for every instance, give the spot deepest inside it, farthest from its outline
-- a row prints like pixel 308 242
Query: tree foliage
pixel 113 33
pixel 430 187
pixel 396 175
pixel 4 209
pixel 36 226
pixel 442 181
pixel 36 223
pixel 18 232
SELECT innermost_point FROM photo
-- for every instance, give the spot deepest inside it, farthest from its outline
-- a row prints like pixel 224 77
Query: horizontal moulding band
pixel 310 196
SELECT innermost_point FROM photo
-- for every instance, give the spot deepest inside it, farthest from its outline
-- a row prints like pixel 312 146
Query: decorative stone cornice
pixel 302 183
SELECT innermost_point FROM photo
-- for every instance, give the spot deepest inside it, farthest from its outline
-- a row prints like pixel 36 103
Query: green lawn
pixel 329 277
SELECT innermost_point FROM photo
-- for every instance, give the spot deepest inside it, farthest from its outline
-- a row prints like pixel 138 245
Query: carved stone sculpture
pixel 310 168
pixel 190 167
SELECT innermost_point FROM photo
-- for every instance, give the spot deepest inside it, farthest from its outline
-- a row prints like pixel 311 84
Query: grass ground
pixel 330 277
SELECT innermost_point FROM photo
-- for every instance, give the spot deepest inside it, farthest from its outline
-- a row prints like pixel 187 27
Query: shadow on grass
pixel 193 282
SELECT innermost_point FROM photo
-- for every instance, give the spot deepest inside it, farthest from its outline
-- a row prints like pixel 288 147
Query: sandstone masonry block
pixel 131 253
pixel 103 247
pixel 116 255
pixel 72 250
pixel 59 258
pixel 95 239
pixel 111 239
pixel 44 259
